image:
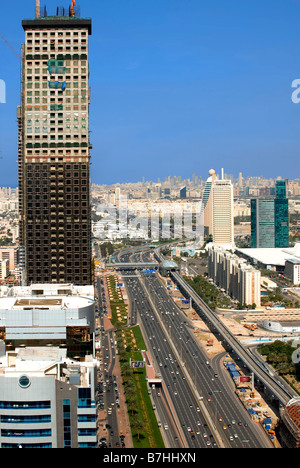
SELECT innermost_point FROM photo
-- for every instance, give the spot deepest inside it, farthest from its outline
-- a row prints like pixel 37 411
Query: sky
pixel 177 87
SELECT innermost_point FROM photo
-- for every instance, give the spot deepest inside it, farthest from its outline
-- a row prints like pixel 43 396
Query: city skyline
pixel 199 85
pixel 128 310
pixel 200 178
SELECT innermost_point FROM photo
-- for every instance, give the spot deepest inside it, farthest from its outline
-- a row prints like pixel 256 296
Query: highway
pixel 108 387
pixel 179 390
pixel 282 393
pixel 219 418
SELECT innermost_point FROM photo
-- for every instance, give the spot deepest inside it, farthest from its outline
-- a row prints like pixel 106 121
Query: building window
pixel 67 423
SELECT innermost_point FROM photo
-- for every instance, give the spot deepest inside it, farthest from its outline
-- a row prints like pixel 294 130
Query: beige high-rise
pixel 222 212
pixel 207 202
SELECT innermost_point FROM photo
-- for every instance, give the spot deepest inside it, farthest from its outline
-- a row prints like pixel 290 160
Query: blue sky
pixel 178 86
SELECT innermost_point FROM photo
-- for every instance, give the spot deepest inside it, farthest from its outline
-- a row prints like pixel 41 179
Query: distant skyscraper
pixel 54 149
pixel 207 203
pixel 183 192
pixel 270 219
pixel 241 180
pixel 222 212
pixel 281 215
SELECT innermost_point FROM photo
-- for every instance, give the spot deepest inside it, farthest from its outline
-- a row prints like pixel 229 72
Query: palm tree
pixel 139 426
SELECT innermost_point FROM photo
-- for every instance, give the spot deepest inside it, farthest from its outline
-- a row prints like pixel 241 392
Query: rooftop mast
pixel 72 8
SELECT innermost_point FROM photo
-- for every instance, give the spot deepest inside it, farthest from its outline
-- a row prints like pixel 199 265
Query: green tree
pixel 139 427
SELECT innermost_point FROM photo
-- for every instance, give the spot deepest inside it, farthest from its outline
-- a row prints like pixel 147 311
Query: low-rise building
pixel 59 314
pixel 292 270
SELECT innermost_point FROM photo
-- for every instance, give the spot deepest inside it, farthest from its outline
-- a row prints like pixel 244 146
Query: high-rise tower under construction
pixel 54 148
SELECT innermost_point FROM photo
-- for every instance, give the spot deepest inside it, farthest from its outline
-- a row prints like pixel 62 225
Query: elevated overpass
pixel 132 266
pixel 280 392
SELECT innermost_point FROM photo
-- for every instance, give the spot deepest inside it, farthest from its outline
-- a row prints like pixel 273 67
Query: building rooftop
pixel 273 256
pixel 46 361
pixel 47 302
pixel 59 22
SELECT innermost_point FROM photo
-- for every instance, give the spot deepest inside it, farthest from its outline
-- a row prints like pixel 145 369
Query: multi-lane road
pixel 108 386
pixel 207 411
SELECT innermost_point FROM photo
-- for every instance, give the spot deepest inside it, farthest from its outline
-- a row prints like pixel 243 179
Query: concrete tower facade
pixel 223 212
pixel 54 149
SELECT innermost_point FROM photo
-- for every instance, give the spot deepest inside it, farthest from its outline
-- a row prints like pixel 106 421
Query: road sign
pixel 137 364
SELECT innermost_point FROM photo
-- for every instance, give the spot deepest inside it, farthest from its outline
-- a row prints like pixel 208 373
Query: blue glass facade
pixel 262 223
pixel 281 222
pixel 270 220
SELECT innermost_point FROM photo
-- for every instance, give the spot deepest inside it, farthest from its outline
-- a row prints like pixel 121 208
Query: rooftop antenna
pixel 38 9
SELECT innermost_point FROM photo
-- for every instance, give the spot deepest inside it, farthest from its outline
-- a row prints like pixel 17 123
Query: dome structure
pixel 291 418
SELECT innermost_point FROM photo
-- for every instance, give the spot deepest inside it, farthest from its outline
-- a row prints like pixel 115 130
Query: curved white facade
pixel 279 328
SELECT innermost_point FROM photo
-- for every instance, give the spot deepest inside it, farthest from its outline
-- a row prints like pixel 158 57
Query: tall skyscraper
pixel 270 219
pixel 54 149
pixel 207 203
pixel 222 212
pixel 281 215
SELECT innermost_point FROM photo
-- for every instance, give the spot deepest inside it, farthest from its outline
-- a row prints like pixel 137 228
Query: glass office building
pixel 47 400
pixel 270 219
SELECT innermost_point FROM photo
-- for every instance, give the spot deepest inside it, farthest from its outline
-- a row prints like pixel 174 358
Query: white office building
pixel 46 399
pixel 292 270
pixel 222 212
pixel 48 313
